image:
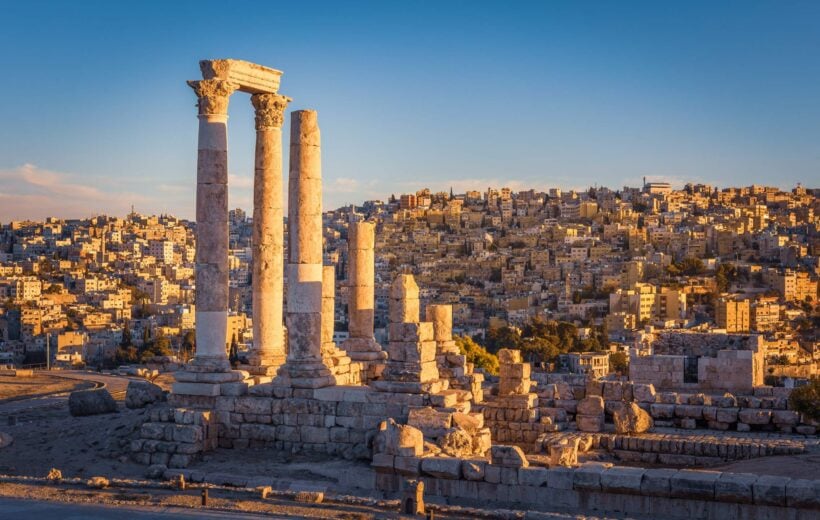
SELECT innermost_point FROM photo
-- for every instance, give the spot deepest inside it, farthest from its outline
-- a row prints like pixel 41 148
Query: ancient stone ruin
pixel 415 407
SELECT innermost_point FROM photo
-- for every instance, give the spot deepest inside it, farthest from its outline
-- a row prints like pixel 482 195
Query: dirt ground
pixel 38 384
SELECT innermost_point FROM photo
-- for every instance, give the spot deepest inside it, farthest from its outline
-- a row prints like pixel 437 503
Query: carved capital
pixel 213 95
pixel 270 110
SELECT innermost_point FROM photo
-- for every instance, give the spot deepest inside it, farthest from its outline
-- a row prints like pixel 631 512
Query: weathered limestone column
pixel 212 223
pixel 361 345
pixel 268 236
pixel 328 309
pixel 304 366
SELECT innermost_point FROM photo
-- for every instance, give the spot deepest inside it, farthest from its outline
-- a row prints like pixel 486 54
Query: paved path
pixel 16 509
pixel 116 385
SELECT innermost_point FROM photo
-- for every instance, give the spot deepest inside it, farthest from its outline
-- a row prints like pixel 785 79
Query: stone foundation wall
pixel 729 370
pixel 653 493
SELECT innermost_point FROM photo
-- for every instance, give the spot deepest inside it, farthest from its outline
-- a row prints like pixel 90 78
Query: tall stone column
pixel 328 309
pixel 304 367
pixel 268 236
pixel 361 345
pixel 212 223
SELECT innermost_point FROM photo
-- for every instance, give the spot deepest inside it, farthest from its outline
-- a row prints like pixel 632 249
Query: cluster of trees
pixel 689 266
pixel 541 340
pixel 128 352
pixel 477 355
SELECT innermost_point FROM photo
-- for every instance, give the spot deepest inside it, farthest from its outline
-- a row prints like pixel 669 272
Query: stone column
pixel 304 366
pixel 361 345
pixel 442 318
pixel 212 223
pixel 328 309
pixel 268 236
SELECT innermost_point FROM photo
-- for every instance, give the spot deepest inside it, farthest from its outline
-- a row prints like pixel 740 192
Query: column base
pixel 363 349
pixel 305 374
pixel 209 364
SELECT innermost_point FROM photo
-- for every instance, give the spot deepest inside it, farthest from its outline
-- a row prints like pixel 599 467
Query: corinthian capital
pixel 270 110
pixel 213 95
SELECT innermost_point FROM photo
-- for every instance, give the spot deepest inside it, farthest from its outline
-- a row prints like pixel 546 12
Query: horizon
pixel 461 95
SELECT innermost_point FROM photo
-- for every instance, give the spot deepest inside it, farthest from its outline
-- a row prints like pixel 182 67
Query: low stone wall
pixel 686 450
pixel 337 420
pixel 602 488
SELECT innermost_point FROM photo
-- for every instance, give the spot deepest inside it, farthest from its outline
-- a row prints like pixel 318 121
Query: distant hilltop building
pixel 657 188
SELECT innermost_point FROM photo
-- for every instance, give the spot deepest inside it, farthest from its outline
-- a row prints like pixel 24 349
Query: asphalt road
pixel 16 509
pixel 116 385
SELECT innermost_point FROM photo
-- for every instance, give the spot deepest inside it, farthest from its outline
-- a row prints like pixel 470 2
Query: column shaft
pixel 212 222
pixel 268 233
pixel 304 316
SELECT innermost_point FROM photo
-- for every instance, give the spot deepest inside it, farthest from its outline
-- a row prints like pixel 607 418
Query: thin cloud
pixel 31 192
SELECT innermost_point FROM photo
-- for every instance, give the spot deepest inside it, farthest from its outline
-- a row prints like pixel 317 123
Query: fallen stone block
pixel 138 394
pixel 509 456
pixel 631 418
pixel 91 402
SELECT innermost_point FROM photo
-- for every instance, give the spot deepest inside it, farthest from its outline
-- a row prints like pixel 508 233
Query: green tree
pixel 618 362
pixel 477 355
pixel 233 356
pixel 503 337
pixel 539 349
pixel 188 345
pixel 126 340
pixel 806 399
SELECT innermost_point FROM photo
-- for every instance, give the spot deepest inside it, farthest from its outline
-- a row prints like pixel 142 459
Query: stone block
pixel 203 389
pixel 785 417
pixel 620 479
pixel 587 477
pixel 770 490
pixel 428 418
pixel 383 461
pixel 407 465
pixel 533 476
pixel 735 487
pixel 560 478
pixel 507 356
pixel 803 493
pixel 754 416
pixel 442 467
pixel 694 484
pixel 644 393
pixel 473 469
pixel 590 406
pixel 589 423
pixel 509 456
pixel 662 411
pixel 726 415
pixel 657 482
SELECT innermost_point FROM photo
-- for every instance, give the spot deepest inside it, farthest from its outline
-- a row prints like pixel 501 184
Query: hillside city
pixel 578 281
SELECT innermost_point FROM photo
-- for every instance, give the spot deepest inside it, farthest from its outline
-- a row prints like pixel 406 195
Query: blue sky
pixel 96 114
